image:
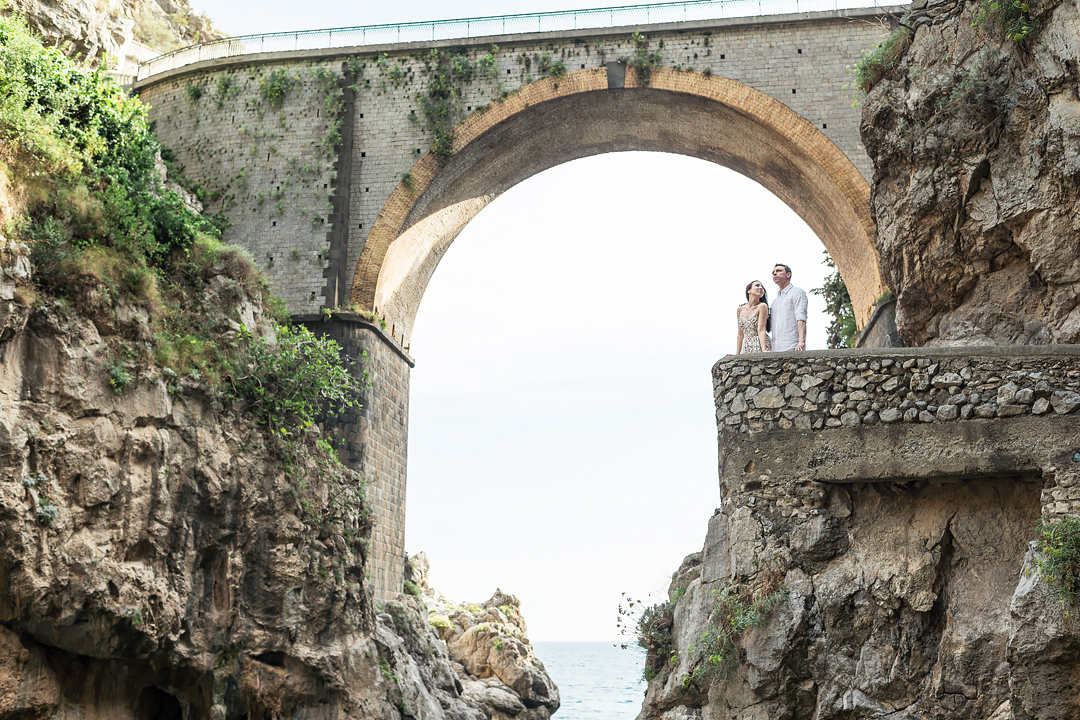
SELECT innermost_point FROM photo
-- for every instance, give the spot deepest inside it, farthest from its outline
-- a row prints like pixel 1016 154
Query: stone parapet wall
pixel 830 389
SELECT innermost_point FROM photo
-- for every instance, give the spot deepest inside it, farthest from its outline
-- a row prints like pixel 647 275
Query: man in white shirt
pixel 788 312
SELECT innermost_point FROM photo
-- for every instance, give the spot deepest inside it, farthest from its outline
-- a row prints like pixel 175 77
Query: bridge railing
pixel 465 28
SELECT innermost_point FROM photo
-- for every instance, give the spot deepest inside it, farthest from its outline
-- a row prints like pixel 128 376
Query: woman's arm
pixel 762 320
pixel 738 340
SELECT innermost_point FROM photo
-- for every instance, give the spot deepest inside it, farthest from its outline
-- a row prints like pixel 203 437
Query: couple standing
pixel 787 319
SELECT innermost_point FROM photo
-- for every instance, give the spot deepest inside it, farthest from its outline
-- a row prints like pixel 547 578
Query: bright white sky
pixel 562 441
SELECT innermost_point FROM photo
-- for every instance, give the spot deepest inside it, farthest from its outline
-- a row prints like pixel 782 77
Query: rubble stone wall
pixel 827 389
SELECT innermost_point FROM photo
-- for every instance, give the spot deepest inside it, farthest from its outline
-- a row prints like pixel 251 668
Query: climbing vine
pixel 440 103
pixel 643 60
pixel 736 609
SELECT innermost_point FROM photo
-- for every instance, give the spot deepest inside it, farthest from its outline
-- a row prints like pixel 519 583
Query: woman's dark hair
pixel 764 297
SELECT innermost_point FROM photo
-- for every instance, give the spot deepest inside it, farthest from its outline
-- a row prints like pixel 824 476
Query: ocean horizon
pixel 596 680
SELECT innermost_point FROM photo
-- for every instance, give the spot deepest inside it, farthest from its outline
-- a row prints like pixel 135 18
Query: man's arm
pixel 800 319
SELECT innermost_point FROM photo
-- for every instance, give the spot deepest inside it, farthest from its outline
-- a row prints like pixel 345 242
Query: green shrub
pixel 412 588
pixel 295 382
pixel 1013 17
pixel 877 62
pixel 643 61
pixel 86 154
pixel 551 68
pixel 842 329
pixel 226 88
pixel 653 631
pixel 1058 544
pixel 276 86
pixel 735 611
pixel 440 621
pixel 193 90
pixel 46 512
pixel 119 377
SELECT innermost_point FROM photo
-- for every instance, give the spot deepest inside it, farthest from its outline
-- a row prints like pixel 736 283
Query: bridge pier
pixel 376 437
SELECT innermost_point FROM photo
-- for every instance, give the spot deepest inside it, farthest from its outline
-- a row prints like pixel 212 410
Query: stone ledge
pixel 821 390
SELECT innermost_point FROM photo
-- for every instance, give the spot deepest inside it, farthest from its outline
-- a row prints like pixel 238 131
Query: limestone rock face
pixel 490 652
pixel 122 31
pixel 155 557
pixel 899 602
pixel 975 141
pixel 158 560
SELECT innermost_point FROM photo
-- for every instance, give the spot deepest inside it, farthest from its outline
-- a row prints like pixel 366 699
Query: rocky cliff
pixel 974 132
pixel 489 650
pixel 878 568
pixel 120 32
pixel 160 558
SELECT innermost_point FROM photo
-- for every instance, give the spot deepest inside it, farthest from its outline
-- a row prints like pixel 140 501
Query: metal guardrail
pixel 485 26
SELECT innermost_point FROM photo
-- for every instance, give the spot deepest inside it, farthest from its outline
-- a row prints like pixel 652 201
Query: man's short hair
pixel 787 268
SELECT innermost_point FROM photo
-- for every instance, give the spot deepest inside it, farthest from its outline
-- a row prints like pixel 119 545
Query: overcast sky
pixel 562 438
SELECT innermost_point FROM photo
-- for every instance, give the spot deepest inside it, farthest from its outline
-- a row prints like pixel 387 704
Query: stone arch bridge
pixel 319 161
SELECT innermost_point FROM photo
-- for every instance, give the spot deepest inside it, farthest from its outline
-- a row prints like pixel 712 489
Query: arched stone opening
pixel 556 120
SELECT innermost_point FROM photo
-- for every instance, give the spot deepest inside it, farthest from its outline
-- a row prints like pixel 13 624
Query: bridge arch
pixel 588 112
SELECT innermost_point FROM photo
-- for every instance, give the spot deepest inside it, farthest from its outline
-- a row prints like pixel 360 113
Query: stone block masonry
pixel 376 437
pixel 269 170
pixel 267 165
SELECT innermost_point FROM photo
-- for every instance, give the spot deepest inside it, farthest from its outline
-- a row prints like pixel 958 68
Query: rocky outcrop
pixel 161 557
pixel 484 648
pixel 876 570
pixel 122 32
pixel 975 140
pixel 156 557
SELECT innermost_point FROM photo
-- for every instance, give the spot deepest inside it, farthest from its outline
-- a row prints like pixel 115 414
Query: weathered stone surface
pixel 979 232
pixel 771 397
pixel 1065 401
pixel 947 412
pixel 114 29
pixel 890 415
pixel 898 595
pixel 947 380
pixel 488 641
pixel 989 375
pixel 158 559
pixel 1006 393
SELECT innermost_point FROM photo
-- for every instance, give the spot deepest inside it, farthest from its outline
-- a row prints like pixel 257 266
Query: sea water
pixel 597 681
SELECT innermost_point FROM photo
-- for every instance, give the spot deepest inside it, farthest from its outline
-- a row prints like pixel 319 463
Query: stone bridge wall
pixel 303 200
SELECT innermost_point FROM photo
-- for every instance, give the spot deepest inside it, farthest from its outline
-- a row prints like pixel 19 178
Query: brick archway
pixel 555 120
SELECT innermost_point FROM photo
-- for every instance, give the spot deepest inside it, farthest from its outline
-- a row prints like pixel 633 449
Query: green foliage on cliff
pixel 654 629
pixel 735 611
pixel 1059 557
pixel 1012 17
pixel 86 155
pixel 842 329
pixel 877 62
pixel 295 381
pixel 105 231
